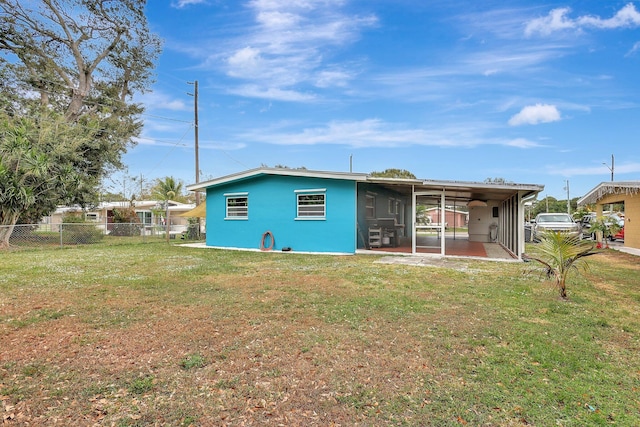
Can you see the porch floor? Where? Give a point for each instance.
(458, 246)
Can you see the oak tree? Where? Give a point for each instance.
(75, 64)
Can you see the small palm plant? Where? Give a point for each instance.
(604, 228)
(561, 253)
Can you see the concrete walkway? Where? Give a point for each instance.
(632, 251)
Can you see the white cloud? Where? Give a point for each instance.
(627, 168)
(275, 19)
(158, 100)
(359, 134)
(245, 62)
(558, 20)
(294, 4)
(370, 133)
(522, 143)
(634, 49)
(289, 44)
(332, 78)
(452, 78)
(603, 170)
(184, 3)
(628, 16)
(272, 93)
(534, 114)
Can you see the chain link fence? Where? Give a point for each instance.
(73, 234)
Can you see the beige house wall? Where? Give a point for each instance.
(631, 213)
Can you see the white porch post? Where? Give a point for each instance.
(520, 227)
(414, 234)
(442, 223)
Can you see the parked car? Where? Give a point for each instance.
(585, 226)
(619, 235)
(555, 222)
(610, 219)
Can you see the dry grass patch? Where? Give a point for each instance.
(177, 336)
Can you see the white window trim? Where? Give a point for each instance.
(228, 196)
(314, 191)
(370, 196)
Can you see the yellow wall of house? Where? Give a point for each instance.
(631, 213)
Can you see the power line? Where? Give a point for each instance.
(169, 152)
(166, 118)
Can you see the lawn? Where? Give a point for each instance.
(158, 334)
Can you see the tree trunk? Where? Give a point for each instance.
(6, 229)
(562, 288)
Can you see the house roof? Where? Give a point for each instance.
(612, 187)
(252, 173)
(463, 191)
(455, 190)
(138, 205)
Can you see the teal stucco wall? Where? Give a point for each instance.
(272, 205)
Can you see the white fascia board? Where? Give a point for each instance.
(482, 185)
(277, 171)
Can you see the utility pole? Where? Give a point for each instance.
(568, 199)
(195, 139)
(610, 168)
(195, 135)
(142, 181)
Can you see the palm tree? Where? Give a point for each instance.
(167, 189)
(561, 253)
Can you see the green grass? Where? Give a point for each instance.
(168, 335)
(192, 361)
(141, 385)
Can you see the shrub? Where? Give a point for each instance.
(125, 222)
(76, 230)
(192, 229)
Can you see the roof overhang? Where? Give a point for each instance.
(461, 191)
(612, 187)
(252, 173)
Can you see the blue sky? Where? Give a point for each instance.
(536, 93)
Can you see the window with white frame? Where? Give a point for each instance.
(370, 206)
(237, 206)
(311, 204)
(145, 217)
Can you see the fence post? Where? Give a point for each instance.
(61, 235)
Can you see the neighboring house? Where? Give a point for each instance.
(313, 211)
(627, 192)
(150, 212)
(452, 217)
